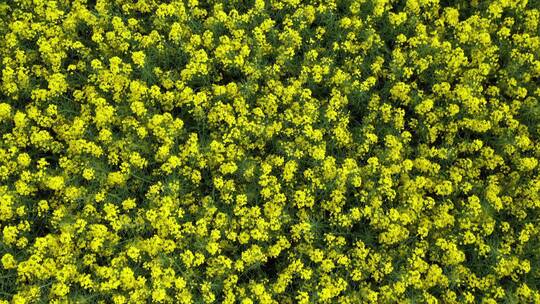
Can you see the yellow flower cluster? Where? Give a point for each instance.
(270, 151)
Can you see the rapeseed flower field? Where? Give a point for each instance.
(270, 151)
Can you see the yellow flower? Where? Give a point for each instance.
(138, 108)
(88, 173)
(528, 163)
(159, 295)
(5, 111)
(115, 178)
(55, 182)
(138, 58)
(57, 84)
(8, 261)
(24, 159)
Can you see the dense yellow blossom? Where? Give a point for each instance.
(270, 151)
